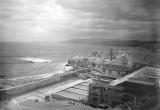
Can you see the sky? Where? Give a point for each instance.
(60, 20)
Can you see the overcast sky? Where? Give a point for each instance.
(58, 20)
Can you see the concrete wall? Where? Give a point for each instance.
(29, 86)
(33, 85)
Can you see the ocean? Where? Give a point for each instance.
(18, 60)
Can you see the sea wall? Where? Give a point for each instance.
(33, 85)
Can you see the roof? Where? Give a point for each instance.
(142, 76)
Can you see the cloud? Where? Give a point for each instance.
(68, 19)
(115, 9)
(133, 16)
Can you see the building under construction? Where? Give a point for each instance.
(136, 88)
(102, 95)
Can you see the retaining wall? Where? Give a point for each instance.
(33, 85)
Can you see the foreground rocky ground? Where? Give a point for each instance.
(54, 105)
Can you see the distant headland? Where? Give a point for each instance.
(105, 42)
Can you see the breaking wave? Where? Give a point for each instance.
(63, 68)
(36, 60)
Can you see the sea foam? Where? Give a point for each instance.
(35, 60)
